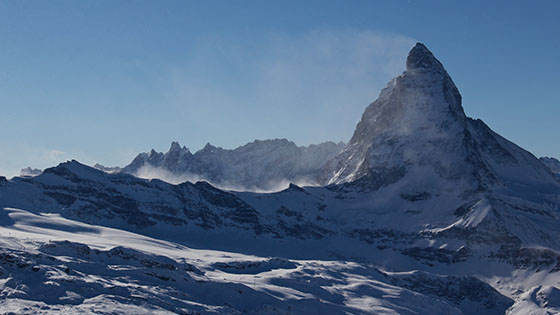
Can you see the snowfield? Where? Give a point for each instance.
(104, 270)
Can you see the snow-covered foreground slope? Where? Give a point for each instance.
(106, 270)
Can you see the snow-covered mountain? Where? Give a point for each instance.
(259, 165)
(425, 211)
(417, 125)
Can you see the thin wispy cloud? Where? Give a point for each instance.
(310, 87)
(149, 172)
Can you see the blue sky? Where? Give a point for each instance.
(100, 81)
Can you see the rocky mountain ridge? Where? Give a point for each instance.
(261, 165)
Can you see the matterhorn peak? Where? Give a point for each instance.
(417, 134)
(421, 58)
(418, 114)
(426, 75)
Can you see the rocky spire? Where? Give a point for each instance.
(421, 105)
(421, 58)
(176, 148)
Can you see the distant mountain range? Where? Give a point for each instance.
(259, 165)
(424, 211)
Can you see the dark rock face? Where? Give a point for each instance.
(61, 198)
(431, 255)
(303, 230)
(537, 259)
(552, 164)
(421, 58)
(255, 267)
(454, 289)
(381, 236)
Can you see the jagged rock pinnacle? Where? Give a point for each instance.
(420, 57)
(175, 146)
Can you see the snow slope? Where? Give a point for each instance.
(105, 270)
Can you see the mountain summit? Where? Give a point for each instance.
(417, 128)
(417, 119)
(420, 57)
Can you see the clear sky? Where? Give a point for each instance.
(100, 81)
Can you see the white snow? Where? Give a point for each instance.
(82, 278)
